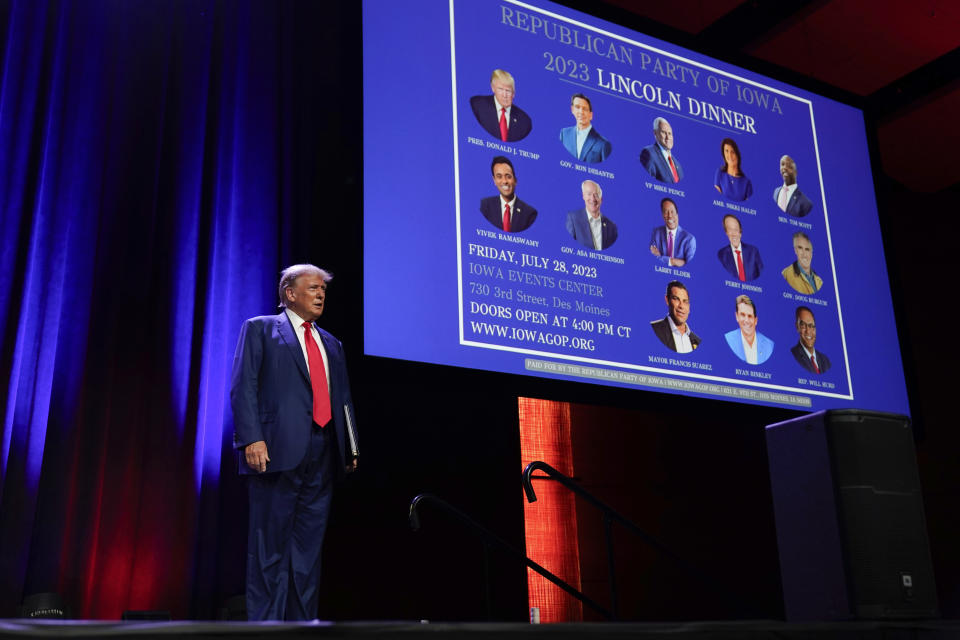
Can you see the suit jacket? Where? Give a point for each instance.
(523, 214)
(752, 263)
(764, 346)
(653, 161)
(798, 206)
(662, 329)
(271, 396)
(596, 148)
(579, 227)
(684, 244)
(822, 360)
(485, 110)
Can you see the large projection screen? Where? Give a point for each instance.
(560, 297)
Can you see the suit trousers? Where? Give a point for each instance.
(288, 518)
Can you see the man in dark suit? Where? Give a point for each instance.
(742, 260)
(506, 211)
(497, 114)
(788, 196)
(673, 330)
(581, 140)
(658, 158)
(670, 244)
(293, 425)
(588, 226)
(814, 361)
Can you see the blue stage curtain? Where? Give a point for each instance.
(145, 211)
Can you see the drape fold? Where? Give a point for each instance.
(140, 221)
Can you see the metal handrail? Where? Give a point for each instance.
(490, 538)
(609, 516)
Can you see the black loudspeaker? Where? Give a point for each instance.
(851, 531)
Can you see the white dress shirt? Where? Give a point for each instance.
(297, 323)
(750, 351)
(513, 207)
(665, 153)
(582, 137)
(596, 230)
(499, 108)
(785, 194)
(680, 340)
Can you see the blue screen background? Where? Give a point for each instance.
(427, 165)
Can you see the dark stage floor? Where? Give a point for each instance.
(749, 629)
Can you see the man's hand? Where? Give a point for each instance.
(654, 250)
(257, 456)
(677, 262)
(352, 466)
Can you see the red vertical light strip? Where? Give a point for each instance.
(550, 523)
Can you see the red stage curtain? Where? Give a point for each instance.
(550, 522)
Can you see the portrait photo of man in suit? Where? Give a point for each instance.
(295, 433)
(658, 158)
(506, 211)
(741, 260)
(673, 330)
(747, 343)
(788, 196)
(581, 140)
(800, 275)
(589, 226)
(671, 244)
(497, 114)
(813, 361)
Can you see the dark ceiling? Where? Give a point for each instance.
(899, 61)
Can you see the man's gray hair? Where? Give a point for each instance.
(288, 278)
(586, 182)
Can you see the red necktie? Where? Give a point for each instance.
(740, 272)
(673, 168)
(813, 361)
(318, 379)
(669, 244)
(503, 123)
(506, 217)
